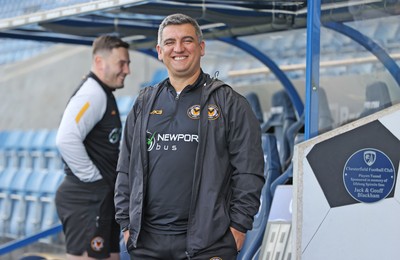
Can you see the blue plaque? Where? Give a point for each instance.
(369, 175)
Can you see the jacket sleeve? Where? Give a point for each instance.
(247, 159)
(122, 185)
(84, 110)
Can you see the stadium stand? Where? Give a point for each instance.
(31, 168)
(17, 50)
(282, 117)
(254, 102)
(31, 171)
(254, 237)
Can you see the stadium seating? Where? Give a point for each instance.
(282, 116)
(271, 172)
(254, 102)
(377, 97)
(7, 176)
(23, 186)
(30, 172)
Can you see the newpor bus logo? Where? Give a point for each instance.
(369, 157)
(150, 140)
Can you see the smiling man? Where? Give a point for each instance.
(88, 139)
(190, 171)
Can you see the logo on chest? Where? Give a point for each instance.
(213, 112)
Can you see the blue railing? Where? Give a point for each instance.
(19, 243)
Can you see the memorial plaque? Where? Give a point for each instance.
(369, 175)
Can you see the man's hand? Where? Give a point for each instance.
(126, 236)
(239, 238)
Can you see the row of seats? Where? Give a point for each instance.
(31, 170)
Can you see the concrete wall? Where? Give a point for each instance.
(34, 92)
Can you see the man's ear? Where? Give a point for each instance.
(98, 61)
(159, 52)
(203, 48)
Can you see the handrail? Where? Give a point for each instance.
(16, 244)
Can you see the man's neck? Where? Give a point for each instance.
(180, 83)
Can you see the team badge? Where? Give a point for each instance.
(194, 112)
(97, 244)
(369, 157)
(213, 112)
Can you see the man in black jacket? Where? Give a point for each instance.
(190, 171)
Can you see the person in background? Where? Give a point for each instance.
(190, 171)
(88, 139)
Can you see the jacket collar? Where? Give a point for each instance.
(106, 88)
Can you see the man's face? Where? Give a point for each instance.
(180, 50)
(115, 66)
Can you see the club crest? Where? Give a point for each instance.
(213, 112)
(194, 112)
(97, 244)
(369, 157)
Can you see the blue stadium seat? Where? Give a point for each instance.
(377, 97)
(11, 143)
(18, 205)
(10, 147)
(17, 186)
(125, 104)
(3, 138)
(48, 189)
(293, 132)
(52, 158)
(282, 117)
(282, 179)
(254, 102)
(255, 236)
(33, 204)
(325, 119)
(159, 75)
(6, 179)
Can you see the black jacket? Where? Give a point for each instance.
(228, 174)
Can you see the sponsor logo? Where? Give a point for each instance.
(150, 141)
(194, 112)
(163, 141)
(156, 112)
(97, 244)
(213, 112)
(115, 135)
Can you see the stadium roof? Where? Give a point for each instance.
(137, 21)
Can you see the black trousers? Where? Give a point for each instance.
(152, 246)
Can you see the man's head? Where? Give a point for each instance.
(178, 19)
(111, 60)
(180, 45)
